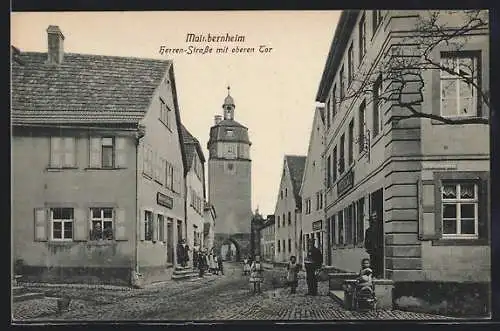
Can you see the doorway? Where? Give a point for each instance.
(179, 231)
(377, 206)
(170, 241)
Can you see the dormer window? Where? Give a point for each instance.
(229, 133)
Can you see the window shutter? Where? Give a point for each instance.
(142, 228)
(120, 152)
(55, 152)
(95, 152)
(483, 210)
(120, 221)
(80, 225)
(69, 151)
(41, 233)
(426, 221)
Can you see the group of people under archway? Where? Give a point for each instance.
(204, 260)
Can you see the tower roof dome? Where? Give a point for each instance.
(228, 101)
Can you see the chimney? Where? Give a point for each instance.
(217, 119)
(56, 44)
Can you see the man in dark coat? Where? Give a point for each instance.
(312, 262)
(372, 244)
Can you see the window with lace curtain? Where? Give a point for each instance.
(460, 210)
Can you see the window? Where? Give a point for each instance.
(334, 171)
(361, 127)
(460, 210)
(377, 117)
(289, 245)
(284, 245)
(342, 154)
(341, 227)
(170, 176)
(109, 152)
(229, 133)
(317, 201)
(284, 219)
(350, 65)
(164, 113)
(334, 102)
(161, 228)
(351, 142)
(341, 84)
(102, 224)
(459, 96)
(320, 200)
(328, 171)
(279, 246)
(362, 38)
(281, 194)
(286, 192)
(62, 152)
(278, 221)
(360, 225)
(377, 19)
(62, 223)
(289, 218)
(148, 225)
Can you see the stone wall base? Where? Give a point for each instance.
(444, 298)
(78, 275)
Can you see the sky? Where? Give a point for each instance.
(274, 92)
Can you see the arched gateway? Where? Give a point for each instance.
(241, 241)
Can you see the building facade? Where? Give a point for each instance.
(427, 181)
(312, 189)
(97, 193)
(266, 232)
(288, 210)
(229, 178)
(195, 190)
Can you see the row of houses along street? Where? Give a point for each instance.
(401, 134)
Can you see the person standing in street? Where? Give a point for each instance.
(293, 274)
(313, 263)
(256, 276)
(221, 264)
(372, 244)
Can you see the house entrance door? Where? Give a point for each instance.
(377, 206)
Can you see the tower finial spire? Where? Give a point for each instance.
(228, 90)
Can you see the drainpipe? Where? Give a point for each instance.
(135, 274)
(328, 225)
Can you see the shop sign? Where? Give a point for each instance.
(164, 200)
(346, 183)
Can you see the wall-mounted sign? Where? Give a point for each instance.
(164, 200)
(318, 225)
(346, 183)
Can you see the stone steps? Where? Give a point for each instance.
(184, 273)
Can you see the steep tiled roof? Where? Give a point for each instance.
(83, 88)
(191, 146)
(296, 165)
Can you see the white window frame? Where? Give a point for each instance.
(102, 219)
(63, 224)
(458, 201)
(160, 234)
(445, 76)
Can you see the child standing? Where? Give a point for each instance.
(293, 272)
(256, 274)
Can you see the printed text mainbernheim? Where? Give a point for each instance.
(199, 38)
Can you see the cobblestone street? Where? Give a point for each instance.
(211, 298)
